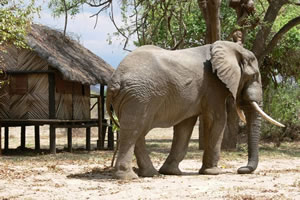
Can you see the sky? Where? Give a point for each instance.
(82, 26)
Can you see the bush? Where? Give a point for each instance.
(283, 104)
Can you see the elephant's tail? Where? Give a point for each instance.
(111, 92)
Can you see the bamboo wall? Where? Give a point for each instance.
(33, 103)
(72, 99)
(27, 96)
(63, 98)
(4, 103)
(81, 101)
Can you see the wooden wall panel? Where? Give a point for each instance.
(18, 90)
(29, 97)
(22, 60)
(81, 102)
(63, 86)
(10, 58)
(63, 98)
(87, 90)
(81, 107)
(18, 106)
(18, 84)
(4, 103)
(30, 61)
(38, 96)
(63, 105)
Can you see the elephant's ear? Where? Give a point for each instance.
(225, 60)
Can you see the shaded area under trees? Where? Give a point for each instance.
(270, 28)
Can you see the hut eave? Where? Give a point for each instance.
(75, 62)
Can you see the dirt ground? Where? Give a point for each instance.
(87, 175)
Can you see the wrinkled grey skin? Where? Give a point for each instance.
(153, 87)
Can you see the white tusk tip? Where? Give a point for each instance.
(265, 116)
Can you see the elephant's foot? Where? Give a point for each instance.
(149, 172)
(129, 174)
(170, 170)
(210, 171)
(245, 170)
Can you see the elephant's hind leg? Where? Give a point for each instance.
(182, 135)
(125, 155)
(134, 123)
(146, 168)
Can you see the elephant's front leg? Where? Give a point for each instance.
(123, 166)
(182, 135)
(214, 126)
(145, 165)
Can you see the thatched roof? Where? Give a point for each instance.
(75, 62)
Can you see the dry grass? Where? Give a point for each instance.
(158, 143)
(84, 175)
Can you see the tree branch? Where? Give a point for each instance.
(118, 29)
(259, 44)
(179, 19)
(292, 23)
(105, 3)
(294, 3)
(243, 10)
(136, 21)
(66, 16)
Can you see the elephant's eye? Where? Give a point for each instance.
(243, 63)
(255, 77)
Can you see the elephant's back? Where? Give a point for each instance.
(154, 62)
(141, 71)
(164, 78)
(151, 71)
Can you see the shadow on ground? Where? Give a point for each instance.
(96, 173)
(32, 152)
(107, 173)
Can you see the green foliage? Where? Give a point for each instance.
(114, 127)
(3, 77)
(228, 21)
(179, 24)
(283, 104)
(164, 23)
(285, 57)
(14, 21)
(72, 6)
(276, 63)
(15, 18)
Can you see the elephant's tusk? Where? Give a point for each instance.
(241, 114)
(265, 116)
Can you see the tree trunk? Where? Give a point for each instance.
(211, 13)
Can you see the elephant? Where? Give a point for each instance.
(153, 87)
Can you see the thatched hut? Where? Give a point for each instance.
(50, 83)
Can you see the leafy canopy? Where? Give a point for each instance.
(176, 24)
(14, 19)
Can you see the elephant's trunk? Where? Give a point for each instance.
(253, 132)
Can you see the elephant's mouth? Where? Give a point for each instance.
(241, 114)
(261, 112)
